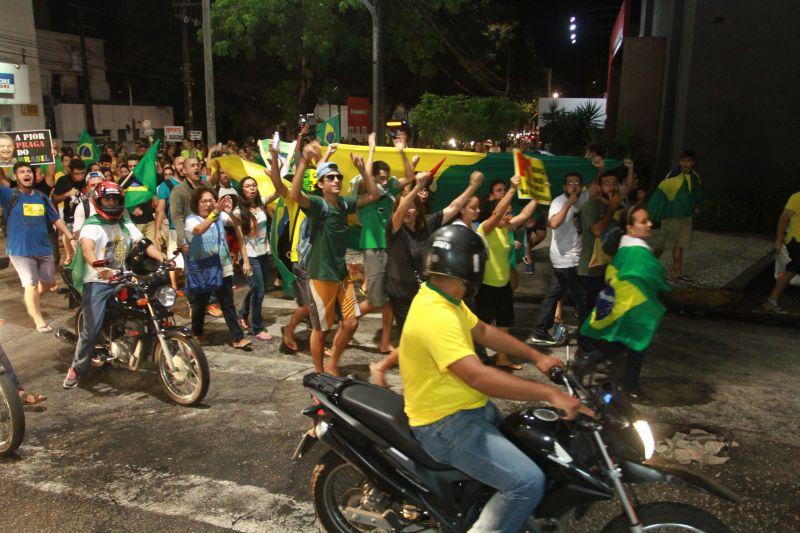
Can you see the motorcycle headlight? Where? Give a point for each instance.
(166, 296)
(643, 429)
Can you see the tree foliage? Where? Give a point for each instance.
(465, 118)
(568, 132)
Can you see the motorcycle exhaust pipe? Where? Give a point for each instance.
(66, 336)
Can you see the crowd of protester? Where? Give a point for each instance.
(199, 211)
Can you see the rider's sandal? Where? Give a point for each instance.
(44, 328)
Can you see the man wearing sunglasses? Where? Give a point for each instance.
(329, 283)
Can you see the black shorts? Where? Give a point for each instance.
(495, 304)
(301, 291)
(793, 247)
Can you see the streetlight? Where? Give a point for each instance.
(572, 19)
(573, 27)
(452, 142)
(556, 95)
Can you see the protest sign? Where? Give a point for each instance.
(34, 147)
(173, 133)
(534, 178)
(196, 135)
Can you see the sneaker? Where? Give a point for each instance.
(773, 307)
(542, 338)
(71, 381)
(214, 310)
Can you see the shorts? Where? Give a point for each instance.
(148, 229)
(793, 249)
(495, 304)
(33, 269)
(676, 232)
(375, 272)
(326, 296)
(301, 292)
(172, 247)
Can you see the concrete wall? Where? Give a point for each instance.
(743, 106)
(71, 120)
(19, 46)
(641, 80)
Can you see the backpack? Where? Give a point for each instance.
(306, 236)
(611, 237)
(15, 199)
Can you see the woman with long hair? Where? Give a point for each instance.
(407, 232)
(627, 312)
(255, 232)
(205, 235)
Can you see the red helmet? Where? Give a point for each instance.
(109, 189)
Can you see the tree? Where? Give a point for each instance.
(466, 118)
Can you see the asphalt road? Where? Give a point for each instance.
(114, 454)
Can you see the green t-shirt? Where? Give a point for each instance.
(329, 244)
(591, 213)
(375, 216)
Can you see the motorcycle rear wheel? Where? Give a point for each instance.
(670, 517)
(329, 501)
(190, 383)
(12, 418)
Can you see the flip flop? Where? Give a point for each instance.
(291, 349)
(684, 278)
(30, 398)
(44, 328)
(263, 336)
(244, 347)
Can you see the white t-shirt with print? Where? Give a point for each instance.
(259, 243)
(110, 242)
(565, 246)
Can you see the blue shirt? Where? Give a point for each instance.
(163, 191)
(27, 223)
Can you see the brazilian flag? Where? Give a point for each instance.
(87, 149)
(142, 186)
(280, 223)
(329, 132)
(676, 196)
(628, 310)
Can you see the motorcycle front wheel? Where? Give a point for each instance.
(12, 418)
(188, 384)
(669, 517)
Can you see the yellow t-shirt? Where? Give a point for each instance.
(498, 269)
(437, 333)
(793, 230)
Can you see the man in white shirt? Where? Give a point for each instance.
(565, 251)
(105, 236)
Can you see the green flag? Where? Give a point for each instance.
(628, 310)
(329, 131)
(87, 149)
(280, 223)
(142, 186)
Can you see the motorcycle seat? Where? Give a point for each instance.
(381, 410)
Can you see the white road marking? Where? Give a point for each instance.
(217, 502)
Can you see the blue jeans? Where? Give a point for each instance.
(95, 298)
(6, 364)
(255, 296)
(469, 441)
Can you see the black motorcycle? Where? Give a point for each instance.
(376, 477)
(139, 324)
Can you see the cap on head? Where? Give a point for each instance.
(323, 169)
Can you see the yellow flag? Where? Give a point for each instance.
(534, 178)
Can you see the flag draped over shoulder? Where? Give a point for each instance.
(329, 132)
(628, 309)
(142, 186)
(87, 149)
(676, 196)
(280, 223)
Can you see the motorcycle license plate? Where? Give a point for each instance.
(308, 440)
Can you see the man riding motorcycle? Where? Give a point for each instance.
(108, 236)
(446, 386)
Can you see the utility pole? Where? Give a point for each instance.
(85, 83)
(208, 61)
(374, 8)
(186, 68)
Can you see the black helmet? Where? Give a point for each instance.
(138, 260)
(458, 252)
